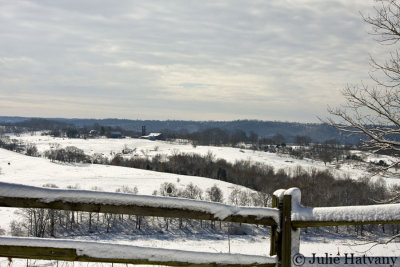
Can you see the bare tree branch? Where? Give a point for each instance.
(374, 111)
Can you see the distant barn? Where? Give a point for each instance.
(153, 136)
(116, 135)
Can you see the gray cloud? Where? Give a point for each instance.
(220, 60)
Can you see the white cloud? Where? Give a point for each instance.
(268, 60)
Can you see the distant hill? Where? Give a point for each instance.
(317, 131)
(7, 120)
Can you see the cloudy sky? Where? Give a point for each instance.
(181, 59)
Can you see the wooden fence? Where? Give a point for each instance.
(21, 196)
(294, 216)
(285, 218)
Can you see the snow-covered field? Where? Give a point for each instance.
(17, 168)
(143, 147)
(21, 169)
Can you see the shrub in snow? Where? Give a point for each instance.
(17, 229)
(244, 198)
(74, 154)
(50, 185)
(98, 158)
(31, 150)
(260, 199)
(168, 190)
(191, 191)
(127, 190)
(234, 196)
(69, 154)
(215, 194)
(240, 197)
(96, 188)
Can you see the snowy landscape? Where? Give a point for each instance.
(146, 148)
(38, 171)
(199, 133)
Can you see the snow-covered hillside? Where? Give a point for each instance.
(142, 148)
(21, 169)
(18, 168)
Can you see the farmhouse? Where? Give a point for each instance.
(153, 136)
(93, 133)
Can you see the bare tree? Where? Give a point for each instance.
(374, 111)
(234, 197)
(192, 191)
(129, 190)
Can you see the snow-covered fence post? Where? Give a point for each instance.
(290, 235)
(276, 237)
(274, 229)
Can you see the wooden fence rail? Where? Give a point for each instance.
(22, 196)
(286, 217)
(69, 250)
(295, 216)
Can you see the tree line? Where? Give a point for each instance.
(55, 223)
(319, 187)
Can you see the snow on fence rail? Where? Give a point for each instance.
(14, 195)
(295, 216)
(347, 215)
(115, 253)
(285, 219)
(22, 196)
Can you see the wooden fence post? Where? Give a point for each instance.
(286, 231)
(276, 231)
(290, 235)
